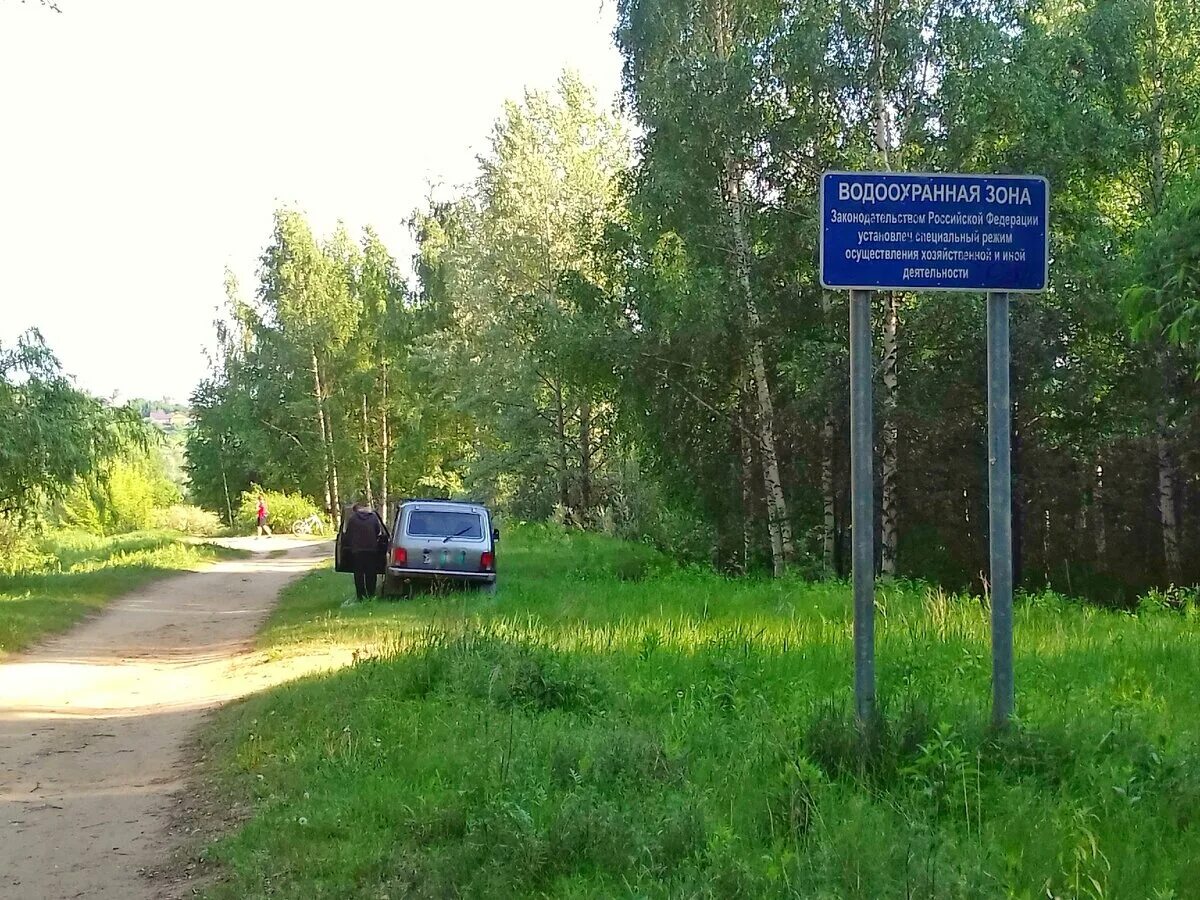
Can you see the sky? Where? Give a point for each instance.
(144, 146)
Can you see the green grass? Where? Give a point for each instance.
(81, 573)
(605, 728)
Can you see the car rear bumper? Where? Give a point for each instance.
(441, 575)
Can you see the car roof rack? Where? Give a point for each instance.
(441, 500)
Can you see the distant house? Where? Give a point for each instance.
(160, 418)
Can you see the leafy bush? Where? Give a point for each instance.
(125, 496)
(283, 509)
(53, 433)
(1183, 599)
(1045, 598)
(20, 549)
(136, 490)
(189, 519)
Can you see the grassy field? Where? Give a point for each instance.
(80, 573)
(610, 726)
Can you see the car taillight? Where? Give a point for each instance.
(399, 556)
(487, 559)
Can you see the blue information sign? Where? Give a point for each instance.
(909, 232)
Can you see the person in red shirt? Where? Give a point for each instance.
(262, 518)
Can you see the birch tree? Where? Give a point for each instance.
(306, 294)
(545, 190)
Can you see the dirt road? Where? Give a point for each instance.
(94, 724)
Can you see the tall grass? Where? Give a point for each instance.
(75, 573)
(610, 725)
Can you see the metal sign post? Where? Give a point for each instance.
(862, 491)
(919, 232)
(1000, 507)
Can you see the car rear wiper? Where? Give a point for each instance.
(458, 533)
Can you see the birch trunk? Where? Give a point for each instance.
(1101, 527)
(564, 488)
(889, 436)
(778, 524)
(1167, 499)
(228, 502)
(366, 445)
(723, 33)
(333, 461)
(747, 481)
(828, 499)
(1046, 544)
(384, 448)
(888, 432)
(828, 495)
(777, 515)
(330, 493)
(1018, 500)
(585, 460)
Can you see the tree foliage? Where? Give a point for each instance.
(624, 328)
(311, 390)
(52, 433)
(510, 342)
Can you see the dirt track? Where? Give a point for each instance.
(94, 724)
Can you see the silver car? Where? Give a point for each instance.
(441, 541)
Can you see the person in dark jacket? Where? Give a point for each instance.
(365, 533)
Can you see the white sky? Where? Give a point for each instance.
(144, 145)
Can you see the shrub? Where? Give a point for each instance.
(124, 497)
(84, 505)
(283, 509)
(192, 520)
(1171, 599)
(136, 490)
(682, 533)
(20, 549)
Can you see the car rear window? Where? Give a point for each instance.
(445, 523)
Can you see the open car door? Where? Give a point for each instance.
(342, 560)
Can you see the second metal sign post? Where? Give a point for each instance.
(862, 502)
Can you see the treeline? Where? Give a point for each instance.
(68, 458)
(313, 388)
(630, 334)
